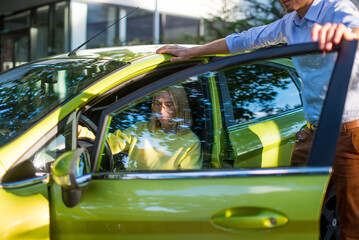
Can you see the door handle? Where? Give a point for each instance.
(248, 218)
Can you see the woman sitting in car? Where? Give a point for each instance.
(165, 142)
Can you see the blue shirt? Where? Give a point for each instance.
(293, 29)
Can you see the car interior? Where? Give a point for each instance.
(199, 103)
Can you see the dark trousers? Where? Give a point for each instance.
(345, 173)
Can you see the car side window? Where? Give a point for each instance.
(57, 145)
(260, 90)
(262, 111)
(43, 159)
(243, 116)
(38, 161)
(163, 131)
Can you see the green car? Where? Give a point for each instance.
(84, 153)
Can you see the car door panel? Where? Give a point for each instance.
(200, 204)
(129, 206)
(262, 111)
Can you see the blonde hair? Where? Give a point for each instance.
(183, 112)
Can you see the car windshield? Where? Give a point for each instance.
(29, 92)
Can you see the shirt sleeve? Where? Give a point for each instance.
(346, 12)
(257, 37)
(84, 132)
(193, 158)
(120, 140)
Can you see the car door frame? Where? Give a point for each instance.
(257, 151)
(227, 107)
(319, 164)
(333, 107)
(340, 71)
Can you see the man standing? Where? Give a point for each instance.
(328, 22)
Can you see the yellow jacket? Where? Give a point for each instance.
(153, 151)
(156, 150)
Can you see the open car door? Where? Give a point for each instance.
(218, 201)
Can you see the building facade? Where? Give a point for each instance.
(56, 27)
(31, 29)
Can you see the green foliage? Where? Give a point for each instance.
(255, 13)
(261, 14)
(256, 85)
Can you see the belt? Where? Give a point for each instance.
(343, 127)
(349, 125)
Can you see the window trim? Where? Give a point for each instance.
(225, 100)
(205, 174)
(335, 99)
(45, 179)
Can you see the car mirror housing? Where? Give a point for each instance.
(72, 172)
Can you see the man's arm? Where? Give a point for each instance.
(332, 33)
(182, 53)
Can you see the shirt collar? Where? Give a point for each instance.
(312, 14)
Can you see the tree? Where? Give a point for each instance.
(259, 13)
(234, 18)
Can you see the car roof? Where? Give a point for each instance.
(132, 53)
(122, 53)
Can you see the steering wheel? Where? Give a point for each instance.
(107, 162)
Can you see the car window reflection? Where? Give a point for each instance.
(161, 137)
(258, 91)
(31, 91)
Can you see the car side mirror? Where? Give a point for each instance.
(72, 171)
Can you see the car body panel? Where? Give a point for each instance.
(25, 212)
(2, 169)
(123, 54)
(130, 208)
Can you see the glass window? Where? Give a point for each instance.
(61, 28)
(21, 50)
(30, 92)
(261, 100)
(164, 131)
(139, 27)
(261, 90)
(38, 160)
(6, 53)
(41, 28)
(18, 21)
(54, 148)
(43, 159)
(99, 17)
(264, 101)
(179, 29)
